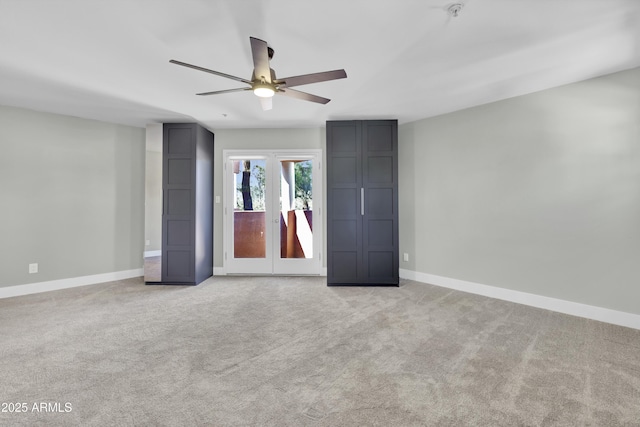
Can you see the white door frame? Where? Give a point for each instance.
(272, 263)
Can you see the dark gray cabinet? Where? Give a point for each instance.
(362, 202)
(187, 217)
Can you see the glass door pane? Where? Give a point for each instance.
(249, 211)
(296, 208)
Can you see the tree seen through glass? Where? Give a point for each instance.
(303, 186)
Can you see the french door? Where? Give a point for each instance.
(272, 212)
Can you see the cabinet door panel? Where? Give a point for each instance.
(345, 170)
(345, 235)
(178, 263)
(380, 136)
(381, 266)
(179, 203)
(379, 203)
(179, 141)
(344, 219)
(380, 169)
(343, 266)
(346, 137)
(178, 232)
(179, 172)
(344, 203)
(380, 181)
(380, 233)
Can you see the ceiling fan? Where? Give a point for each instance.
(264, 83)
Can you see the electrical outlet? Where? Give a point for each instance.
(147, 242)
(406, 257)
(33, 268)
(217, 199)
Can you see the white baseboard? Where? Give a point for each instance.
(53, 285)
(562, 306)
(148, 254)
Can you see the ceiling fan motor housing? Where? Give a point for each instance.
(261, 87)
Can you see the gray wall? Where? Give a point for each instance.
(539, 193)
(72, 196)
(244, 139)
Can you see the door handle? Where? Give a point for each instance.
(362, 201)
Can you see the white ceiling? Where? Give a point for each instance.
(405, 59)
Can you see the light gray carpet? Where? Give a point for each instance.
(294, 352)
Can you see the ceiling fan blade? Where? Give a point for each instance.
(311, 78)
(267, 103)
(303, 95)
(206, 70)
(218, 92)
(260, 52)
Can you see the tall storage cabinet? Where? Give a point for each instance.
(187, 217)
(362, 202)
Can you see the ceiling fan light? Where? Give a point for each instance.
(263, 91)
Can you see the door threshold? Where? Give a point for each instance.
(272, 275)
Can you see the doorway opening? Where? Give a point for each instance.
(272, 212)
